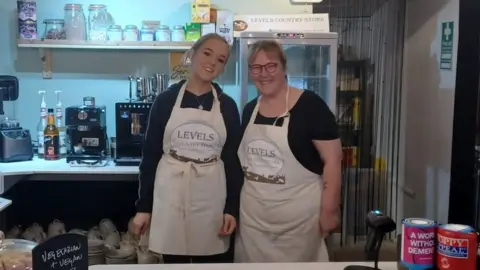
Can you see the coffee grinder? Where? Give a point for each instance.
(87, 134)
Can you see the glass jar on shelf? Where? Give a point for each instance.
(178, 33)
(163, 34)
(99, 21)
(75, 26)
(147, 33)
(130, 33)
(54, 29)
(115, 33)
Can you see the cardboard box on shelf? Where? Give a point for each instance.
(201, 11)
(225, 25)
(213, 14)
(208, 28)
(193, 31)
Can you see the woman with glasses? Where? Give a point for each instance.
(291, 159)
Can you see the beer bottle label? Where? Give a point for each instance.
(51, 147)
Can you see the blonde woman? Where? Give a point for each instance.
(190, 177)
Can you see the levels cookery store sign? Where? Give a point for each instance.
(178, 71)
(292, 22)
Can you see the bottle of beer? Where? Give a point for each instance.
(51, 138)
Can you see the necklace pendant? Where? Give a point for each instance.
(200, 107)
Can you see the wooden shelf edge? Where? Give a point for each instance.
(104, 45)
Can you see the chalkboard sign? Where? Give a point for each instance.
(62, 252)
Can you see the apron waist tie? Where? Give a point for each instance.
(188, 170)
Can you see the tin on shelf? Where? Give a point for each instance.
(27, 10)
(27, 29)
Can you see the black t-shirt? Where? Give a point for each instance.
(310, 119)
(153, 146)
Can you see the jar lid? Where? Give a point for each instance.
(73, 7)
(96, 7)
(178, 27)
(131, 27)
(54, 21)
(115, 27)
(164, 27)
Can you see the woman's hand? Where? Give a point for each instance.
(228, 226)
(140, 224)
(329, 222)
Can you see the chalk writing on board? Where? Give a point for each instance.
(63, 257)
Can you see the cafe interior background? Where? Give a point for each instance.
(405, 168)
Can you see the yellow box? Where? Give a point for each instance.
(201, 11)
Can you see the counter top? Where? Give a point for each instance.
(41, 166)
(244, 266)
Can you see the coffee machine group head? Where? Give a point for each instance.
(87, 132)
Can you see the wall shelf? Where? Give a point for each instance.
(47, 46)
(105, 45)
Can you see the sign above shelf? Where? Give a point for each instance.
(105, 45)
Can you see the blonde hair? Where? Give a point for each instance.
(270, 47)
(187, 57)
(203, 39)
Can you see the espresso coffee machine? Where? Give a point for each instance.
(87, 134)
(131, 118)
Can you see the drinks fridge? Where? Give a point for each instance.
(311, 62)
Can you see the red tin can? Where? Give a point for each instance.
(457, 247)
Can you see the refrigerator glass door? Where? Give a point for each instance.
(311, 65)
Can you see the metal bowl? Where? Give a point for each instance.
(17, 245)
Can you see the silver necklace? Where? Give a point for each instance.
(200, 104)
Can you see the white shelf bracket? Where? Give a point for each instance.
(46, 57)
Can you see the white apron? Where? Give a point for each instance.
(190, 186)
(280, 200)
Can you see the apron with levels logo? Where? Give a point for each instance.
(280, 200)
(190, 184)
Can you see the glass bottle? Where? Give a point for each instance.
(42, 123)
(62, 130)
(51, 140)
(62, 133)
